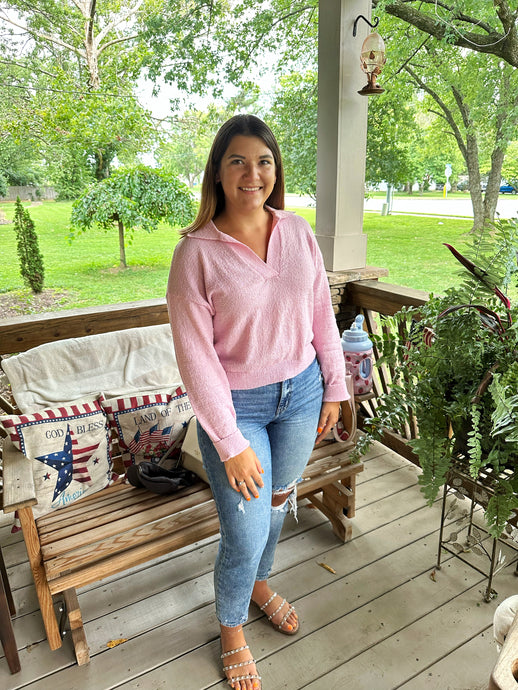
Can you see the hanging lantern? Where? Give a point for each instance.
(372, 59)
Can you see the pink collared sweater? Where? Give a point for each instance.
(239, 322)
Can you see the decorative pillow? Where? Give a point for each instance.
(150, 426)
(69, 448)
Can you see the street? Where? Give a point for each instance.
(507, 206)
(415, 205)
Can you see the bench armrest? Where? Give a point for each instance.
(18, 489)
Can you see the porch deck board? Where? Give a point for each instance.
(379, 622)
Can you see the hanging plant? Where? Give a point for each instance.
(457, 374)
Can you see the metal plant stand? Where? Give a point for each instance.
(466, 537)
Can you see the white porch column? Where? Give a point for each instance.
(342, 134)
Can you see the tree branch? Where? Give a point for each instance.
(122, 39)
(22, 66)
(448, 115)
(504, 45)
(296, 12)
(46, 37)
(130, 12)
(32, 8)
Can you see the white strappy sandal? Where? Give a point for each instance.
(241, 665)
(279, 626)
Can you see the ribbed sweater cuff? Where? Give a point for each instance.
(336, 393)
(231, 445)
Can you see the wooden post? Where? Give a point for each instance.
(7, 610)
(76, 627)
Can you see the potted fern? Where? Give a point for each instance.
(456, 375)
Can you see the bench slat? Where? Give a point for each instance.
(316, 483)
(329, 448)
(327, 463)
(91, 531)
(82, 556)
(140, 554)
(104, 505)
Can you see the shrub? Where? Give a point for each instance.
(3, 184)
(31, 259)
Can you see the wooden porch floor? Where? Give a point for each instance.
(383, 621)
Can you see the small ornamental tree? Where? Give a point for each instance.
(131, 198)
(31, 259)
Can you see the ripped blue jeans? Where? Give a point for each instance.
(280, 420)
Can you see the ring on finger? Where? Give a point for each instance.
(241, 482)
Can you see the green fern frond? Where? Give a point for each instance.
(499, 509)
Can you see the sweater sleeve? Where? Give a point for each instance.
(202, 374)
(326, 337)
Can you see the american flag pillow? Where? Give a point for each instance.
(150, 426)
(69, 449)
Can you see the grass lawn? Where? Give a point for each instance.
(411, 247)
(87, 268)
(85, 272)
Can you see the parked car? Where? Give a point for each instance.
(508, 189)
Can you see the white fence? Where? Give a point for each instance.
(30, 193)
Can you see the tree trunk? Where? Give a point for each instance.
(122, 250)
(475, 188)
(102, 166)
(493, 183)
(91, 49)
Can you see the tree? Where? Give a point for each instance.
(225, 41)
(478, 118)
(20, 161)
(80, 35)
(297, 134)
(392, 138)
(31, 260)
(476, 25)
(510, 165)
(474, 95)
(76, 65)
(185, 151)
(437, 150)
(131, 198)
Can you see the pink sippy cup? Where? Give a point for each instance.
(357, 348)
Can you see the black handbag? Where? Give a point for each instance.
(150, 476)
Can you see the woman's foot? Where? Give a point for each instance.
(280, 614)
(238, 663)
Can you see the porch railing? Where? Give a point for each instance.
(370, 297)
(376, 301)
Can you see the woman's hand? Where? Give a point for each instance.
(244, 473)
(328, 417)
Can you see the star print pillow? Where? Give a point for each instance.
(69, 450)
(150, 426)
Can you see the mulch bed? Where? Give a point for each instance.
(22, 302)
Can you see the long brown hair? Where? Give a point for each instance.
(212, 197)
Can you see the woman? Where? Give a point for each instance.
(259, 352)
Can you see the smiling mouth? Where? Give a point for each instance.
(250, 189)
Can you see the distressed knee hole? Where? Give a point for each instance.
(279, 499)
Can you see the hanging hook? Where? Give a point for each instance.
(360, 16)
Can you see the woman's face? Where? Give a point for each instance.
(247, 174)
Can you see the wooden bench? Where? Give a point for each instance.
(120, 526)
